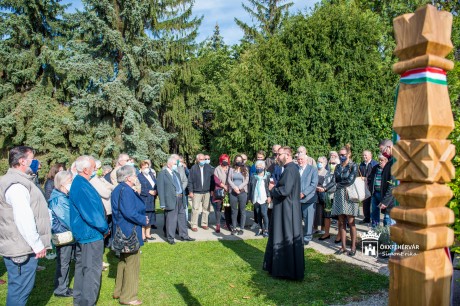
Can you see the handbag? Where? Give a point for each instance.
(120, 242)
(219, 194)
(63, 238)
(358, 191)
(61, 235)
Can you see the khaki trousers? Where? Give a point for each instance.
(200, 200)
(127, 281)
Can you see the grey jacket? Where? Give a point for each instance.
(12, 243)
(308, 183)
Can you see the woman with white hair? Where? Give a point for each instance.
(59, 205)
(259, 195)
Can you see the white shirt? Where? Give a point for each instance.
(149, 178)
(202, 176)
(18, 197)
(301, 169)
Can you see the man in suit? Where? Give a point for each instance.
(170, 192)
(365, 169)
(308, 197)
(200, 185)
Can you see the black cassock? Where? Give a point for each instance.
(284, 255)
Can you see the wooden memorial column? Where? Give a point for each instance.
(423, 166)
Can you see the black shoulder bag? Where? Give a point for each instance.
(121, 243)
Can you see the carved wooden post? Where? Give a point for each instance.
(423, 120)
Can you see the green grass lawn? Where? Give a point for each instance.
(220, 273)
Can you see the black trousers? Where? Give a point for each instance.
(367, 209)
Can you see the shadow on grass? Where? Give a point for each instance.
(327, 280)
(189, 299)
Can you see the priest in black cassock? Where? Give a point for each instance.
(284, 255)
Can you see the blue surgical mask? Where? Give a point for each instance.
(174, 168)
(202, 163)
(34, 166)
(130, 164)
(93, 174)
(320, 165)
(343, 159)
(258, 170)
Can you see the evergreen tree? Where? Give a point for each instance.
(268, 16)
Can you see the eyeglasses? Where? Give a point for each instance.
(343, 155)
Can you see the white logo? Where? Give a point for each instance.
(370, 243)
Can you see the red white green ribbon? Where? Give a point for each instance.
(422, 75)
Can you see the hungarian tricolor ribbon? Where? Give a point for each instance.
(422, 75)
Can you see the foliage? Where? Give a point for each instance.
(306, 86)
(231, 273)
(268, 15)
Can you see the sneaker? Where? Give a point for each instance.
(105, 264)
(234, 232)
(265, 235)
(240, 232)
(319, 232)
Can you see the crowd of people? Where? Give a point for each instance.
(291, 193)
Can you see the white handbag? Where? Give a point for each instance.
(62, 238)
(358, 191)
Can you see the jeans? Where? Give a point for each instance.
(217, 211)
(262, 212)
(21, 280)
(308, 215)
(375, 213)
(238, 203)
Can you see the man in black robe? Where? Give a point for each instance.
(284, 255)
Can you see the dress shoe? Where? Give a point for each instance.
(153, 227)
(364, 221)
(68, 293)
(340, 251)
(352, 253)
(151, 238)
(218, 228)
(136, 302)
(194, 229)
(170, 242)
(187, 239)
(338, 241)
(324, 238)
(2, 282)
(115, 297)
(240, 232)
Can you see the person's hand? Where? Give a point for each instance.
(320, 189)
(152, 192)
(225, 187)
(190, 195)
(106, 235)
(271, 185)
(382, 206)
(302, 195)
(269, 200)
(237, 190)
(146, 219)
(41, 254)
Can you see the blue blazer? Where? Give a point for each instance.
(131, 213)
(149, 200)
(276, 175)
(308, 183)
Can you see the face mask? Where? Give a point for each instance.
(224, 163)
(130, 164)
(207, 161)
(93, 174)
(99, 172)
(388, 156)
(34, 166)
(239, 164)
(343, 159)
(67, 186)
(320, 165)
(174, 167)
(146, 171)
(258, 171)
